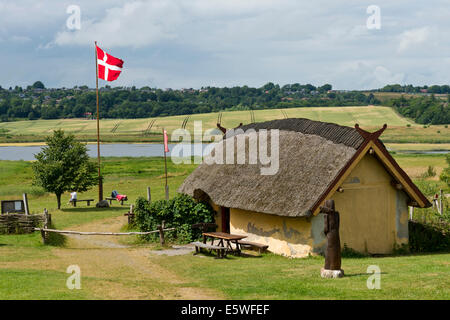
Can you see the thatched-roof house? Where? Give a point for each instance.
(317, 161)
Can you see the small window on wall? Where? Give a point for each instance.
(352, 180)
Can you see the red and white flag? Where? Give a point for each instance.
(166, 142)
(109, 67)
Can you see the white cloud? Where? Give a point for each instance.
(412, 38)
(142, 23)
(194, 43)
(384, 76)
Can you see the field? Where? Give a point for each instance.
(125, 268)
(131, 130)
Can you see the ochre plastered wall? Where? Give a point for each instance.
(292, 237)
(374, 215)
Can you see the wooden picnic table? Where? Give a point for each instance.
(227, 237)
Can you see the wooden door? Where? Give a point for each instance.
(225, 212)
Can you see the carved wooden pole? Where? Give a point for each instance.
(332, 267)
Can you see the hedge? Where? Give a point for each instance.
(427, 237)
(180, 213)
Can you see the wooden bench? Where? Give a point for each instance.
(254, 245)
(111, 200)
(221, 251)
(74, 202)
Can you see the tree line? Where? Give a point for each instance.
(423, 109)
(436, 89)
(38, 102)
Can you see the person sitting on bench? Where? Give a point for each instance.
(73, 196)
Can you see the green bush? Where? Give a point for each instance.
(180, 213)
(431, 172)
(429, 237)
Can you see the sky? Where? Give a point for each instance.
(199, 43)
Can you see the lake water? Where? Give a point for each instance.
(106, 150)
(123, 150)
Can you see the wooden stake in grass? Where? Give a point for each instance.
(161, 233)
(25, 203)
(149, 195)
(47, 220)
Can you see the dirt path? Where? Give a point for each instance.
(111, 270)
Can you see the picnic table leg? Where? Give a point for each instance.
(88, 203)
(238, 248)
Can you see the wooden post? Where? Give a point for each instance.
(130, 215)
(25, 203)
(149, 194)
(46, 224)
(411, 212)
(161, 233)
(167, 192)
(441, 208)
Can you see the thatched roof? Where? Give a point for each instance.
(330, 131)
(312, 154)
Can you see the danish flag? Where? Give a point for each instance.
(109, 67)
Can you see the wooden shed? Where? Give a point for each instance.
(317, 161)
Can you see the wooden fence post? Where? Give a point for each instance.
(131, 214)
(161, 233)
(441, 207)
(149, 194)
(25, 203)
(167, 192)
(46, 224)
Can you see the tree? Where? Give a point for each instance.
(38, 85)
(63, 165)
(445, 175)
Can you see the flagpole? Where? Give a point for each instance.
(100, 183)
(165, 157)
(165, 164)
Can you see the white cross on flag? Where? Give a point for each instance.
(109, 67)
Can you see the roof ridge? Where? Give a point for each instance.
(331, 131)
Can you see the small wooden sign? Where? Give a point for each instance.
(12, 206)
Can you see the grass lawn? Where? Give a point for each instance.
(417, 164)
(129, 176)
(130, 130)
(276, 277)
(30, 270)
